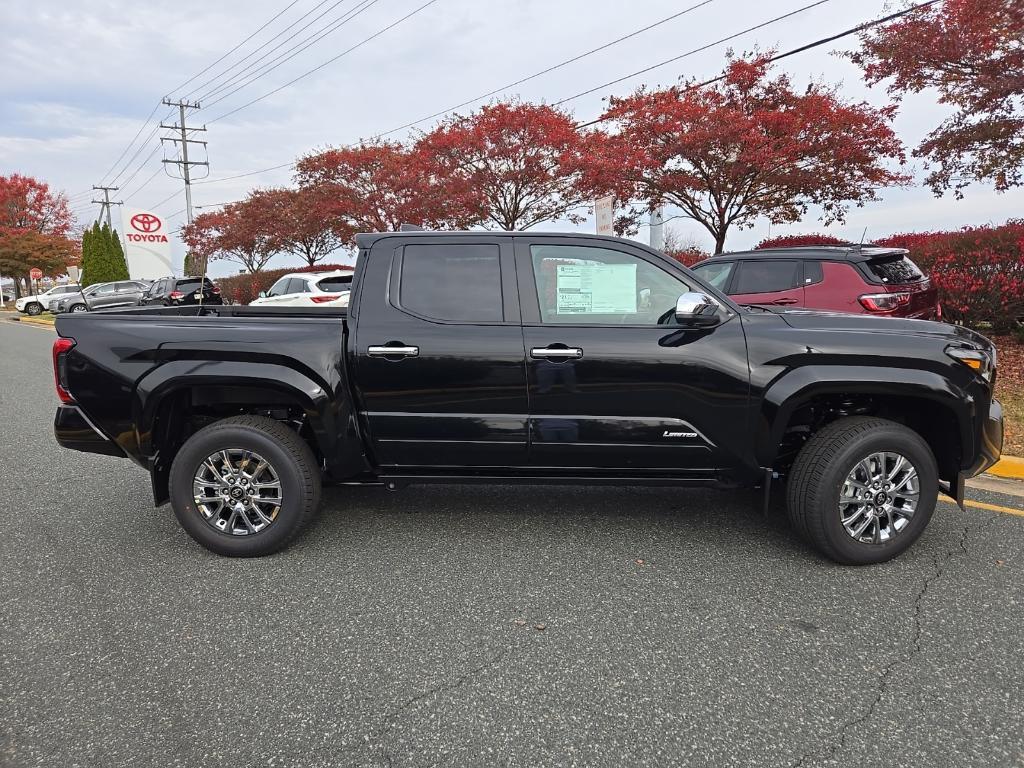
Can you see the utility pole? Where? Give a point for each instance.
(658, 229)
(184, 162)
(106, 202)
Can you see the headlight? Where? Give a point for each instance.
(975, 359)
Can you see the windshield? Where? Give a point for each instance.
(336, 284)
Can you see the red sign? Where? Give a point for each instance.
(35, 274)
(145, 222)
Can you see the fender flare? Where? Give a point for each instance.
(328, 411)
(798, 386)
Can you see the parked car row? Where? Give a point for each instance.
(33, 305)
(167, 291)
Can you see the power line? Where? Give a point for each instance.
(259, 62)
(255, 51)
(347, 51)
(166, 199)
(552, 68)
(239, 45)
(157, 106)
(800, 49)
(791, 52)
(691, 53)
(291, 53)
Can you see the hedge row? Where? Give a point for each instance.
(241, 289)
(979, 271)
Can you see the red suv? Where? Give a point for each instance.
(861, 279)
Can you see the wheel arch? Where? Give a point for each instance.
(924, 401)
(174, 394)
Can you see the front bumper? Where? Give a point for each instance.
(991, 442)
(73, 430)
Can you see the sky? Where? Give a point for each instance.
(80, 80)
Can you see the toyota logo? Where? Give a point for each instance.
(145, 222)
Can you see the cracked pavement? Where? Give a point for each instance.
(400, 630)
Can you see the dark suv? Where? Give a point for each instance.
(865, 280)
(176, 291)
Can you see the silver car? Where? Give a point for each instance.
(123, 293)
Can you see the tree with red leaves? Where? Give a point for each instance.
(35, 224)
(297, 222)
(515, 164)
(377, 187)
(745, 147)
(236, 233)
(972, 52)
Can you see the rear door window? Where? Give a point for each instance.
(460, 283)
(297, 285)
(278, 288)
(766, 276)
(716, 274)
(894, 270)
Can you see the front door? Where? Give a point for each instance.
(439, 352)
(614, 382)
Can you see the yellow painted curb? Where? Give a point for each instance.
(986, 505)
(1008, 466)
(34, 321)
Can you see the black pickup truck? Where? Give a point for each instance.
(480, 357)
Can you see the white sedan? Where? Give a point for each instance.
(33, 305)
(308, 289)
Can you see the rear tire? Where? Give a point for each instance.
(842, 500)
(244, 526)
(33, 309)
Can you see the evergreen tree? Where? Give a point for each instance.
(119, 265)
(92, 256)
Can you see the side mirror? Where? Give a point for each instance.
(697, 310)
(263, 294)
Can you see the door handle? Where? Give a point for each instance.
(784, 301)
(396, 351)
(564, 353)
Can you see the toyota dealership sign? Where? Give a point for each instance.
(147, 245)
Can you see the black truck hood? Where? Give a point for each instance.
(840, 321)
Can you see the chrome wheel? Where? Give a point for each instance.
(879, 497)
(237, 492)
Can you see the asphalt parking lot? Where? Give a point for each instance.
(465, 626)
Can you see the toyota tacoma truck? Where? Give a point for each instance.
(482, 357)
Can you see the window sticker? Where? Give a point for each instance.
(599, 289)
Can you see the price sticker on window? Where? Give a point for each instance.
(598, 289)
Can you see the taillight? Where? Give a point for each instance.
(884, 302)
(216, 289)
(324, 298)
(175, 295)
(61, 347)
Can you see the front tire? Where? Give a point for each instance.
(862, 490)
(244, 486)
(33, 309)
(78, 308)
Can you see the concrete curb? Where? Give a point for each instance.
(33, 321)
(1008, 466)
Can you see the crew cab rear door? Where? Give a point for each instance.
(439, 353)
(614, 382)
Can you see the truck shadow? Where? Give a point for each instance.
(632, 515)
